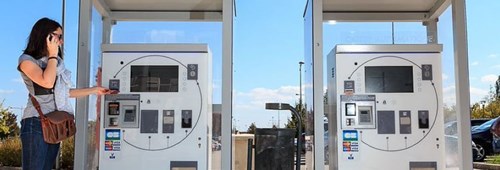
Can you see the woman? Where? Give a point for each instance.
(42, 69)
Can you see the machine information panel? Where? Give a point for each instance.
(162, 117)
(386, 107)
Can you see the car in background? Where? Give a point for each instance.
(451, 149)
(476, 122)
(482, 136)
(450, 128)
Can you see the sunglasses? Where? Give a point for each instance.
(60, 36)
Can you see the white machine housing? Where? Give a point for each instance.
(162, 116)
(385, 105)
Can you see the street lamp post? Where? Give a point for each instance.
(300, 84)
(286, 106)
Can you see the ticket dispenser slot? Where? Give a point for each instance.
(423, 165)
(168, 121)
(183, 165)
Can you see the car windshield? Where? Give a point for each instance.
(485, 125)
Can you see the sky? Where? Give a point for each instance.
(268, 45)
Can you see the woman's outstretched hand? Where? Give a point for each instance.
(102, 91)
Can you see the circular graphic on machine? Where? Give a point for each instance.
(388, 141)
(163, 99)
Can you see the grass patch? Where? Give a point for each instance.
(494, 159)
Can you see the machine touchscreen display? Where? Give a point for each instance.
(389, 79)
(154, 79)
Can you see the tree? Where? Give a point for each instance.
(251, 128)
(8, 123)
(497, 88)
(292, 123)
(490, 107)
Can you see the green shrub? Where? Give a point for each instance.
(67, 153)
(10, 152)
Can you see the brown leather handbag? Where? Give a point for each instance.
(56, 125)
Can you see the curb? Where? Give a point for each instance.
(482, 165)
(9, 168)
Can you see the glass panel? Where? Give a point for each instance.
(168, 79)
(94, 101)
(405, 33)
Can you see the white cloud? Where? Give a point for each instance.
(2, 91)
(493, 55)
(478, 92)
(259, 96)
(445, 77)
(449, 97)
(496, 67)
(18, 80)
(475, 63)
(164, 36)
(489, 79)
(249, 106)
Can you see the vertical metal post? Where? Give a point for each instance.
(462, 83)
(432, 31)
(300, 84)
(63, 16)
(319, 151)
(83, 81)
(107, 25)
(299, 136)
(249, 154)
(227, 83)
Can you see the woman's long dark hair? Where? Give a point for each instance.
(37, 41)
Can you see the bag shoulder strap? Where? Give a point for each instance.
(37, 106)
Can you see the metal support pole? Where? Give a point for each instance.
(299, 136)
(83, 81)
(317, 95)
(249, 154)
(227, 83)
(432, 31)
(300, 84)
(462, 83)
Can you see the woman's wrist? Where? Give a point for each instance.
(95, 90)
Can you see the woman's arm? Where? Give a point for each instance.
(43, 78)
(75, 93)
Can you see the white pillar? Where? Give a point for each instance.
(227, 83)
(83, 81)
(462, 83)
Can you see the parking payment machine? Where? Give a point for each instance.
(386, 107)
(162, 116)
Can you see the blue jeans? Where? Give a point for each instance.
(37, 154)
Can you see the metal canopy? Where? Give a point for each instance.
(164, 5)
(383, 10)
(160, 10)
(378, 5)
